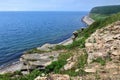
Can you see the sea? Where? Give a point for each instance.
(24, 30)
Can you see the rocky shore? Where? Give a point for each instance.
(35, 60)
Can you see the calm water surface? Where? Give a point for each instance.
(20, 31)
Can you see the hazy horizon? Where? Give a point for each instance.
(53, 5)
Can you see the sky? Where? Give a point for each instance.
(53, 5)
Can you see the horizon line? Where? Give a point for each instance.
(38, 11)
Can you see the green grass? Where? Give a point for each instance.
(59, 47)
(11, 76)
(57, 65)
(106, 10)
(80, 64)
(70, 72)
(82, 60)
(100, 60)
(97, 17)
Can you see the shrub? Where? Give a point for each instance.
(59, 47)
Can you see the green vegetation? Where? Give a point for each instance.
(97, 17)
(59, 47)
(100, 24)
(78, 43)
(100, 60)
(82, 61)
(103, 12)
(11, 76)
(57, 65)
(83, 35)
(106, 10)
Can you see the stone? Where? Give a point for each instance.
(111, 66)
(37, 56)
(88, 45)
(59, 77)
(117, 37)
(41, 62)
(95, 55)
(69, 65)
(25, 72)
(40, 78)
(116, 53)
(11, 68)
(27, 67)
(46, 47)
(69, 59)
(90, 70)
(77, 70)
(42, 74)
(77, 78)
(115, 73)
(109, 38)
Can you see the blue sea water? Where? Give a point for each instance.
(20, 31)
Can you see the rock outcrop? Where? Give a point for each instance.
(104, 42)
(46, 47)
(11, 68)
(88, 20)
(40, 61)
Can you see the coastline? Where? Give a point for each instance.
(17, 65)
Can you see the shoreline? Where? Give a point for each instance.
(16, 65)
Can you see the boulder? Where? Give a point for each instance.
(88, 45)
(69, 65)
(90, 70)
(116, 53)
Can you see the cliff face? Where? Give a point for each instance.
(103, 47)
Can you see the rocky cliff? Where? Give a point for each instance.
(104, 42)
(93, 55)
